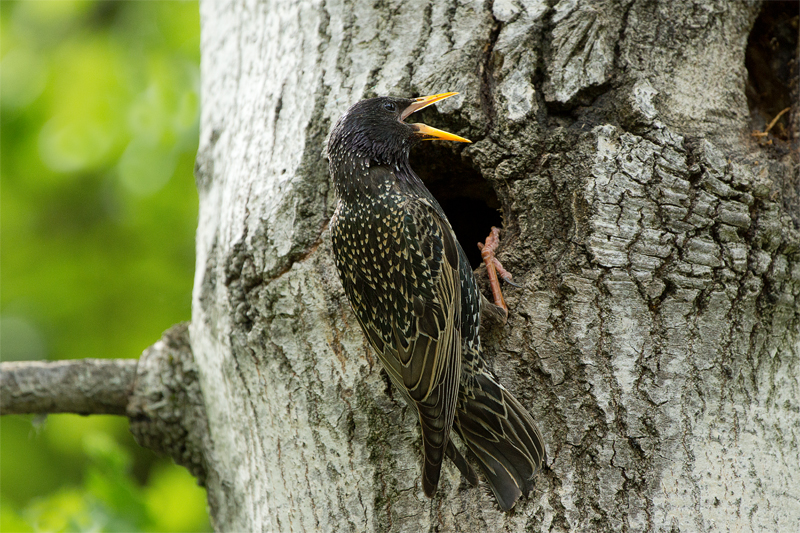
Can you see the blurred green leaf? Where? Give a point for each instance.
(119, 500)
(10, 520)
(175, 501)
(109, 500)
(24, 78)
(65, 510)
(98, 132)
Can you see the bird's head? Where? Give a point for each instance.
(375, 129)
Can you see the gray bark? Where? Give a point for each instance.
(656, 333)
(83, 386)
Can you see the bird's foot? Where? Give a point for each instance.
(494, 268)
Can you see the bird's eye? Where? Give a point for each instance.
(389, 106)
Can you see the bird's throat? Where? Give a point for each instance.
(358, 177)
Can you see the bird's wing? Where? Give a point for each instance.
(407, 299)
(427, 349)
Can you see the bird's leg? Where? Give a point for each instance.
(494, 268)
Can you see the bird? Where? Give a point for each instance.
(415, 296)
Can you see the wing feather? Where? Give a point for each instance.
(407, 298)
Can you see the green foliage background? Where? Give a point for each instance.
(98, 131)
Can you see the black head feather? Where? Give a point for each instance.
(372, 129)
(370, 144)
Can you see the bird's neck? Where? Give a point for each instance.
(356, 176)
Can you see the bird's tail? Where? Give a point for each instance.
(503, 437)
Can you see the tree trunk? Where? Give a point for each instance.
(655, 337)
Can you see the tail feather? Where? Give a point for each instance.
(503, 437)
(461, 463)
(435, 436)
(432, 469)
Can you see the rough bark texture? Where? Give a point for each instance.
(656, 335)
(166, 406)
(85, 386)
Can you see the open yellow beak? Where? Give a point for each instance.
(428, 133)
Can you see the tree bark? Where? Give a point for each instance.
(83, 386)
(656, 333)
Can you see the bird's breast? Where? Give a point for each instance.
(367, 236)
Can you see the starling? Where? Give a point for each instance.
(414, 295)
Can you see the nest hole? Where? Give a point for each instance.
(468, 200)
(771, 61)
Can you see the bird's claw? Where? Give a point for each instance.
(494, 268)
